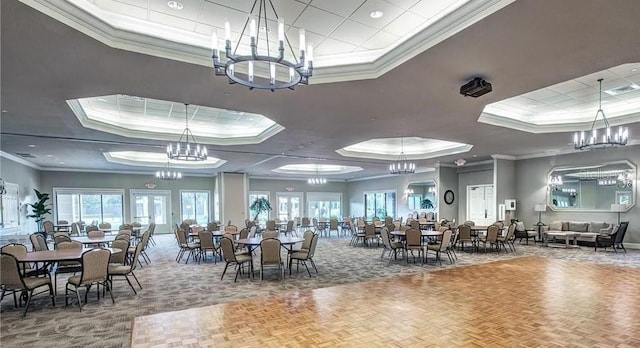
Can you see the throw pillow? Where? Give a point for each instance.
(565, 226)
(520, 226)
(576, 226)
(555, 226)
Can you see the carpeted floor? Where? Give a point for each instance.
(169, 286)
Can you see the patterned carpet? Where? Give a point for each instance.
(169, 286)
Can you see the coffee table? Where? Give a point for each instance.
(565, 234)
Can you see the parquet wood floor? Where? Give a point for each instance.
(526, 302)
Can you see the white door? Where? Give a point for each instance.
(480, 204)
(289, 205)
(152, 205)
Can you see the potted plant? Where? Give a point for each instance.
(39, 209)
(260, 205)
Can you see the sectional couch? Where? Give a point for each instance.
(587, 230)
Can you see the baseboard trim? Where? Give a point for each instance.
(632, 245)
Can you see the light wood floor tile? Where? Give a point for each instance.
(526, 302)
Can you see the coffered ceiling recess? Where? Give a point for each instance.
(321, 169)
(156, 159)
(572, 105)
(414, 148)
(370, 36)
(146, 118)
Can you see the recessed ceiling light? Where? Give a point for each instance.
(101, 149)
(375, 14)
(475, 156)
(4, 110)
(61, 162)
(176, 5)
(49, 155)
(634, 69)
(102, 99)
(31, 145)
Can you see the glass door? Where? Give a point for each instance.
(480, 204)
(289, 205)
(152, 205)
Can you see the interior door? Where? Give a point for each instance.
(152, 205)
(480, 204)
(289, 205)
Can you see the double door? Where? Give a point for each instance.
(289, 205)
(480, 208)
(152, 206)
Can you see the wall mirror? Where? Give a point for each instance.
(592, 188)
(422, 196)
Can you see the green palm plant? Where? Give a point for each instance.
(40, 209)
(261, 204)
(426, 204)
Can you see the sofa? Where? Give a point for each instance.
(587, 231)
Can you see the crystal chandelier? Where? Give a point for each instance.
(317, 180)
(555, 182)
(168, 174)
(608, 140)
(402, 165)
(274, 71)
(186, 149)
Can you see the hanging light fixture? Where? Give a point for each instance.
(402, 165)
(317, 180)
(168, 174)
(581, 142)
(186, 149)
(281, 73)
(555, 182)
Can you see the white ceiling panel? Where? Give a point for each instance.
(318, 21)
(176, 22)
(191, 8)
(241, 5)
(334, 47)
(353, 32)
(380, 40)
(431, 8)
(390, 13)
(122, 8)
(342, 8)
(404, 24)
(403, 4)
(287, 9)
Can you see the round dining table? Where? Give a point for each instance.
(425, 233)
(287, 242)
(57, 255)
(95, 240)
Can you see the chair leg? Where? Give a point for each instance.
(314, 265)
(225, 270)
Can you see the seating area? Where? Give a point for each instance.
(164, 277)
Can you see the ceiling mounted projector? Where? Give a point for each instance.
(475, 88)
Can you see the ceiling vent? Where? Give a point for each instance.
(622, 90)
(25, 155)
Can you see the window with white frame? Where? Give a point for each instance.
(380, 204)
(10, 207)
(195, 206)
(324, 205)
(89, 205)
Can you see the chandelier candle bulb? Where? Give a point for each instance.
(214, 43)
(252, 30)
(281, 31)
(227, 33)
(272, 73)
(301, 42)
(250, 71)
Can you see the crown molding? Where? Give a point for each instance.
(504, 157)
(108, 171)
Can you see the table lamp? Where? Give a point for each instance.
(618, 208)
(540, 208)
